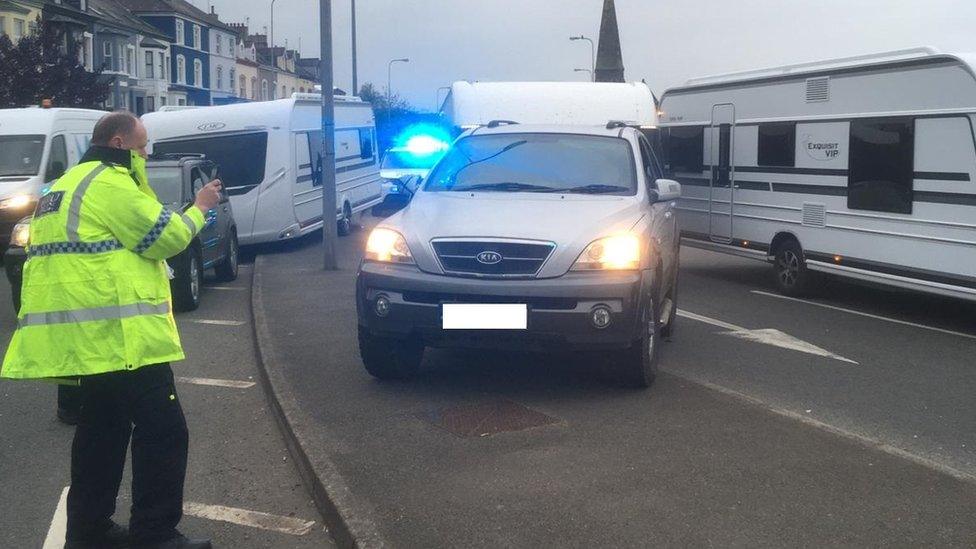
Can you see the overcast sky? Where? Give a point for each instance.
(664, 41)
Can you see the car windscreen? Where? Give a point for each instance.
(241, 157)
(537, 162)
(21, 154)
(167, 182)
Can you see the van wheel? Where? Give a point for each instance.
(390, 358)
(228, 267)
(638, 364)
(187, 285)
(792, 276)
(344, 226)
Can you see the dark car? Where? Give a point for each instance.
(176, 180)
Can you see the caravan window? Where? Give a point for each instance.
(777, 144)
(366, 143)
(241, 157)
(881, 165)
(685, 149)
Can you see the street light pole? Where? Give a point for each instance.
(389, 78)
(271, 38)
(355, 77)
(330, 262)
(592, 53)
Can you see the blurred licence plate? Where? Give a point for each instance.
(488, 316)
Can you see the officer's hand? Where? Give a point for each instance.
(209, 196)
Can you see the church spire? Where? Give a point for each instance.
(609, 61)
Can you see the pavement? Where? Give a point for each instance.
(242, 488)
(843, 420)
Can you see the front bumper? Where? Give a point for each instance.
(559, 309)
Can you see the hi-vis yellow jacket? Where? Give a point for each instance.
(96, 294)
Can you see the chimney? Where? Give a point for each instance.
(609, 61)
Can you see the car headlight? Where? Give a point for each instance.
(388, 246)
(16, 202)
(21, 234)
(619, 252)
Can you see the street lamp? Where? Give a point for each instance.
(272, 30)
(585, 70)
(389, 75)
(592, 53)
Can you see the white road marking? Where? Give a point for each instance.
(253, 519)
(226, 288)
(868, 315)
(712, 321)
(839, 431)
(216, 382)
(59, 523)
(219, 322)
(768, 336)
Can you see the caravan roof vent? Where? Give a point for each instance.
(818, 89)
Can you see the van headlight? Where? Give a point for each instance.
(21, 234)
(388, 246)
(613, 253)
(16, 202)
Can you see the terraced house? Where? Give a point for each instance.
(189, 27)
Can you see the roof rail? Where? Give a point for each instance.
(496, 123)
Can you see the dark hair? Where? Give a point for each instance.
(116, 123)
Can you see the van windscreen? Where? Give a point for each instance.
(21, 154)
(241, 157)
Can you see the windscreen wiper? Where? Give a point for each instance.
(595, 189)
(507, 186)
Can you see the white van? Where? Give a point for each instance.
(36, 147)
(472, 104)
(270, 157)
(863, 167)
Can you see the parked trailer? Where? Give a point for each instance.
(270, 156)
(473, 104)
(861, 167)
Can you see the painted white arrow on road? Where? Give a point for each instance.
(767, 336)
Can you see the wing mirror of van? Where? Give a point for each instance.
(667, 190)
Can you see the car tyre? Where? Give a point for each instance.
(228, 268)
(188, 284)
(390, 358)
(639, 363)
(791, 274)
(344, 225)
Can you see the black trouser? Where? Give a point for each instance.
(141, 403)
(69, 398)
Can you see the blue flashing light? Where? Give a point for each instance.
(423, 140)
(425, 145)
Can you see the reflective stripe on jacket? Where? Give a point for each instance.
(96, 296)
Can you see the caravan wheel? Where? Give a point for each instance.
(792, 276)
(344, 226)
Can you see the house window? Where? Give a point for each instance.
(264, 90)
(777, 144)
(163, 100)
(219, 44)
(150, 66)
(220, 78)
(686, 149)
(882, 165)
(3, 25)
(254, 88)
(150, 104)
(180, 33)
(232, 79)
(107, 62)
(243, 84)
(162, 66)
(196, 36)
(168, 76)
(181, 102)
(130, 61)
(120, 61)
(284, 92)
(18, 30)
(88, 51)
(198, 73)
(181, 69)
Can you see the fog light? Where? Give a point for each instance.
(600, 317)
(382, 306)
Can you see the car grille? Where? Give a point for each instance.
(437, 298)
(514, 258)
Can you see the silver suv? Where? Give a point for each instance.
(532, 238)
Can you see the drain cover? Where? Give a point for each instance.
(486, 419)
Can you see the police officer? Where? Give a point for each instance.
(96, 308)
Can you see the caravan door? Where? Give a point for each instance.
(308, 181)
(722, 181)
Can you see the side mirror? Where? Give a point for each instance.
(667, 190)
(393, 203)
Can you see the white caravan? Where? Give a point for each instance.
(36, 147)
(270, 156)
(473, 104)
(863, 167)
